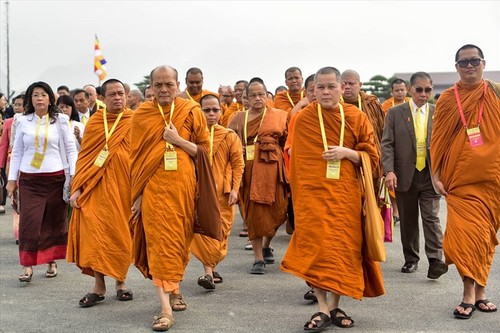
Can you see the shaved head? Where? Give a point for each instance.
(163, 68)
(350, 73)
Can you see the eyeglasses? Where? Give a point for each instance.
(427, 90)
(207, 110)
(464, 63)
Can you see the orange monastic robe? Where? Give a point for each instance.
(389, 103)
(228, 112)
(376, 115)
(163, 232)
(228, 165)
(326, 246)
(471, 176)
(282, 100)
(99, 238)
(196, 98)
(264, 187)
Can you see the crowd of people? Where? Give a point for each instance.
(108, 176)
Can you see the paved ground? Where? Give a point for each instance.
(243, 303)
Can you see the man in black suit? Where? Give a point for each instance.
(406, 160)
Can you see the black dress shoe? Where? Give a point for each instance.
(436, 269)
(409, 267)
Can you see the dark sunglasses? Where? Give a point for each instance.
(420, 90)
(207, 110)
(464, 63)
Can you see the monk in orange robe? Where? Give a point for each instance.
(467, 171)
(398, 91)
(194, 86)
(370, 105)
(286, 100)
(236, 106)
(226, 157)
(326, 247)
(263, 133)
(99, 240)
(164, 139)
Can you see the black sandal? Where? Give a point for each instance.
(217, 277)
(466, 306)
(310, 296)
(52, 271)
(90, 299)
(25, 277)
(337, 320)
(319, 324)
(124, 295)
(206, 282)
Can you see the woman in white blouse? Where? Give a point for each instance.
(42, 149)
(66, 104)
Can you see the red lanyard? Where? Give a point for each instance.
(461, 110)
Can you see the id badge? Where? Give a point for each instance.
(250, 150)
(103, 155)
(475, 137)
(37, 160)
(333, 169)
(170, 159)
(421, 149)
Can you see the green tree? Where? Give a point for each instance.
(379, 86)
(144, 83)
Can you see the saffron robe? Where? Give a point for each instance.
(326, 247)
(99, 237)
(228, 112)
(228, 165)
(282, 102)
(471, 176)
(389, 103)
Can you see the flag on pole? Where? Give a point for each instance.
(99, 61)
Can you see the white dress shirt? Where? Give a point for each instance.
(24, 146)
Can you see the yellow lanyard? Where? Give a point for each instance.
(191, 98)
(245, 128)
(167, 144)
(290, 98)
(210, 157)
(415, 123)
(360, 106)
(322, 127)
(106, 131)
(37, 133)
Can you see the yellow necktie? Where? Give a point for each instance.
(420, 134)
(84, 119)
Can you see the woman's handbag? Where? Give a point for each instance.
(386, 211)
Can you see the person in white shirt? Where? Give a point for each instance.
(67, 106)
(42, 149)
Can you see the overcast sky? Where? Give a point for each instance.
(53, 41)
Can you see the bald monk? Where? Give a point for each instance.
(226, 157)
(99, 240)
(398, 92)
(264, 188)
(194, 86)
(326, 247)
(370, 105)
(235, 106)
(467, 172)
(165, 136)
(286, 100)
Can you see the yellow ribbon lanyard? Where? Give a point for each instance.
(210, 157)
(333, 167)
(168, 145)
(106, 128)
(245, 128)
(415, 123)
(290, 98)
(37, 133)
(190, 97)
(360, 106)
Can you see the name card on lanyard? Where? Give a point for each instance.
(332, 167)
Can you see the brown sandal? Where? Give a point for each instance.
(162, 323)
(177, 302)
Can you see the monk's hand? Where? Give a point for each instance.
(391, 181)
(136, 207)
(438, 184)
(11, 187)
(336, 153)
(170, 134)
(74, 198)
(233, 197)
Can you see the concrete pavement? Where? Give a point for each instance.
(243, 303)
